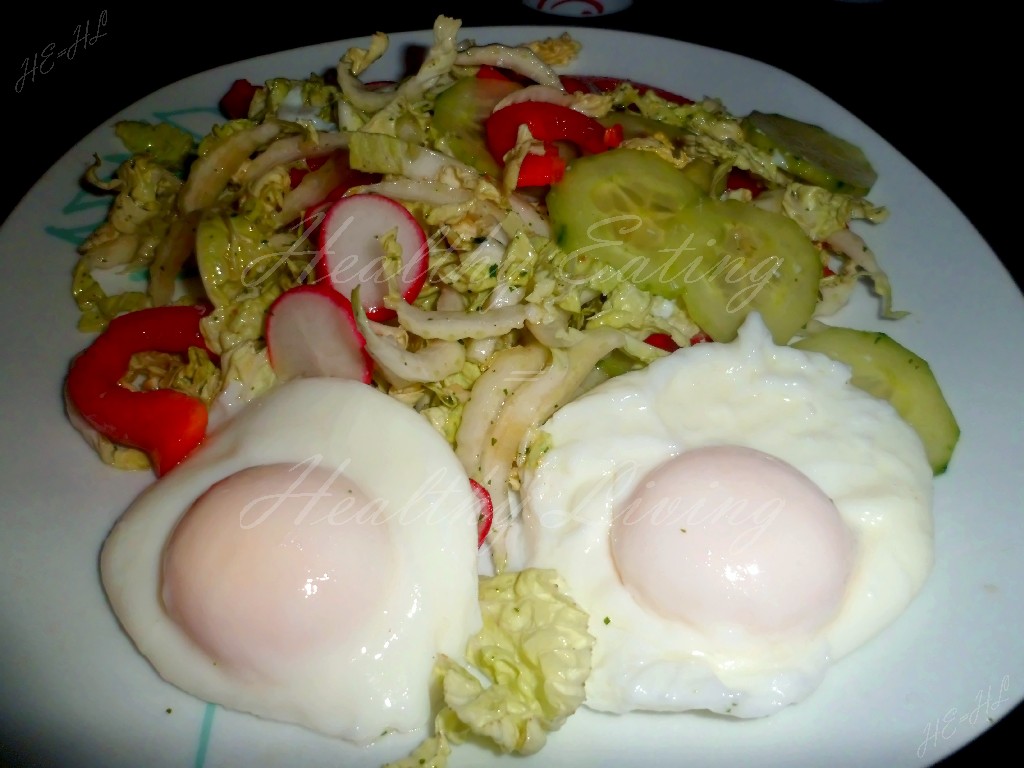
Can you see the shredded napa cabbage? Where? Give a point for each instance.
(313, 101)
(525, 671)
(146, 192)
(171, 146)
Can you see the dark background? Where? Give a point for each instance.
(934, 80)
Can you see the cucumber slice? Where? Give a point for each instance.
(459, 115)
(811, 153)
(890, 371)
(636, 126)
(640, 214)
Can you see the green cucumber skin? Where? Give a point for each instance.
(888, 370)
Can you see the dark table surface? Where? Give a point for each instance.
(934, 88)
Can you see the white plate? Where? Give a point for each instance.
(936, 679)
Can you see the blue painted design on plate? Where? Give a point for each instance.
(204, 736)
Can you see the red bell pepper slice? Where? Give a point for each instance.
(166, 424)
(541, 170)
(547, 122)
(234, 104)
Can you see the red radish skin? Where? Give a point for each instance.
(311, 331)
(350, 252)
(486, 516)
(314, 215)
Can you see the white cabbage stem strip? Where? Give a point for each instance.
(113, 253)
(311, 190)
(508, 369)
(170, 255)
(552, 330)
(211, 173)
(520, 60)
(528, 406)
(400, 366)
(290, 149)
(365, 99)
(544, 93)
(503, 297)
(453, 325)
(533, 220)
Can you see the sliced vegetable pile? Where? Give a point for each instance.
(483, 239)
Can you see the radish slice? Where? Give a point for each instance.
(486, 516)
(311, 331)
(351, 253)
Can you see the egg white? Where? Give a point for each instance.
(379, 678)
(794, 405)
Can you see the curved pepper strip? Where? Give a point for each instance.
(234, 104)
(541, 170)
(167, 425)
(548, 122)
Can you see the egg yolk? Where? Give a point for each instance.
(726, 537)
(276, 561)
